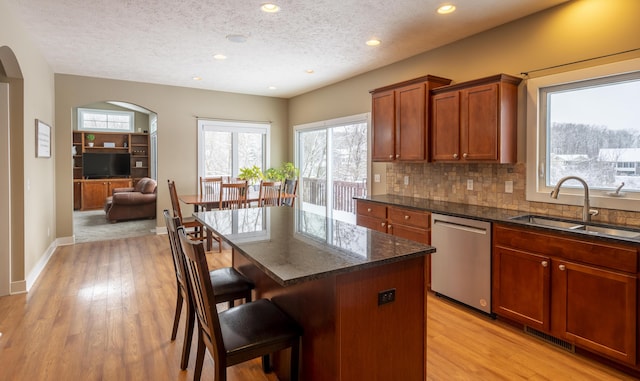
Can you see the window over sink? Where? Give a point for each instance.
(586, 123)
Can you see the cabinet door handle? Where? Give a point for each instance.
(465, 155)
(382, 224)
(397, 156)
(455, 155)
(562, 267)
(545, 263)
(390, 156)
(389, 226)
(369, 210)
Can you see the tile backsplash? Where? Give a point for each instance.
(448, 182)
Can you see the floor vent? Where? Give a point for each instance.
(567, 346)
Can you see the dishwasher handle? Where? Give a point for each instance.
(470, 229)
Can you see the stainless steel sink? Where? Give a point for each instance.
(544, 221)
(609, 231)
(577, 226)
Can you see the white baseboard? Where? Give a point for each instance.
(19, 287)
(42, 263)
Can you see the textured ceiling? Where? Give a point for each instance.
(170, 42)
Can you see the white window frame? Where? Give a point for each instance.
(536, 189)
(326, 125)
(234, 127)
(129, 114)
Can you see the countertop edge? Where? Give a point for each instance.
(493, 215)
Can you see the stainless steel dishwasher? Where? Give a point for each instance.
(461, 266)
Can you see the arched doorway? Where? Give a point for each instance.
(11, 99)
(89, 218)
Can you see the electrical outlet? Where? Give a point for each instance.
(469, 184)
(406, 180)
(376, 178)
(508, 186)
(386, 296)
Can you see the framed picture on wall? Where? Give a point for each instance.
(43, 139)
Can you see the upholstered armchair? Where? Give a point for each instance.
(132, 203)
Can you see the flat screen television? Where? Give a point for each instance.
(105, 165)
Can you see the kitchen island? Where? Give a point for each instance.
(359, 294)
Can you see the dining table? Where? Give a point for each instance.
(359, 294)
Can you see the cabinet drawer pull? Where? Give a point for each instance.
(465, 155)
(545, 263)
(406, 217)
(455, 155)
(369, 210)
(562, 267)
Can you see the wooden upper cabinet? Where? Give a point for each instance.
(384, 116)
(475, 121)
(400, 114)
(445, 130)
(411, 138)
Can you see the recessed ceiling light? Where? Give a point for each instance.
(373, 42)
(270, 7)
(310, 71)
(220, 57)
(196, 78)
(272, 88)
(237, 38)
(447, 8)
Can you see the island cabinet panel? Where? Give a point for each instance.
(400, 118)
(475, 121)
(383, 346)
(347, 335)
(583, 291)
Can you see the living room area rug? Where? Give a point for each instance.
(92, 225)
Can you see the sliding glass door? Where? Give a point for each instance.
(332, 157)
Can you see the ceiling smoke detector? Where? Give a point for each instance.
(239, 38)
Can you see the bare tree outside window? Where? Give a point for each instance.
(594, 133)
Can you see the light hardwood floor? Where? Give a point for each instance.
(104, 311)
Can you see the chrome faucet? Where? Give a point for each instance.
(586, 212)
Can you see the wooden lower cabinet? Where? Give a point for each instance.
(95, 192)
(402, 222)
(581, 291)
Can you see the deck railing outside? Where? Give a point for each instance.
(314, 192)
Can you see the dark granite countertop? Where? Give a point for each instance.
(294, 246)
(485, 213)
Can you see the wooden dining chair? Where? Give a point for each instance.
(290, 188)
(210, 187)
(229, 286)
(195, 228)
(239, 334)
(270, 193)
(233, 195)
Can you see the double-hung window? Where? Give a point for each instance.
(586, 123)
(226, 146)
(105, 120)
